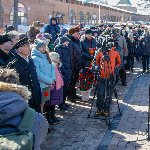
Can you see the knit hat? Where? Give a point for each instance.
(53, 55)
(47, 36)
(20, 43)
(38, 43)
(73, 30)
(53, 19)
(63, 31)
(88, 31)
(46, 41)
(39, 35)
(4, 38)
(63, 39)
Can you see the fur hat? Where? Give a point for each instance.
(10, 82)
(20, 43)
(39, 43)
(4, 38)
(73, 30)
(53, 55)
(37, 24)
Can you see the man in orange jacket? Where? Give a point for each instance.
(108, 61)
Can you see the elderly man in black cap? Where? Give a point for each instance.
(25, 68)
(5, 47)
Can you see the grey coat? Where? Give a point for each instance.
(123, 45)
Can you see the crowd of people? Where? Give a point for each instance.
(46, 69)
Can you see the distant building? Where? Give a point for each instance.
(66, 11)
(126, 5)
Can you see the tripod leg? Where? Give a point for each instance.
(89, 115)
(116, 96)
(108, 119)
(108, 102)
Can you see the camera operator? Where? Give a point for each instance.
(107, 60)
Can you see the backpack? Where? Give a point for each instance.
(23, 138)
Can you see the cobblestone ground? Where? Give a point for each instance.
(127, 132)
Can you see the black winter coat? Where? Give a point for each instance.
(28, 77)
(5, 58)
(76, 49)
(54, 30)
(145, 45)
(65, 56)
(86, 45)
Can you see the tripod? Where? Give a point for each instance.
(108, 91)
(107, 98)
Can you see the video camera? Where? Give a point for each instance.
(110, 42)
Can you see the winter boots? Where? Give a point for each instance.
(51, 118)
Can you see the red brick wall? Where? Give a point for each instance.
(41, 9)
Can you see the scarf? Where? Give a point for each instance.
(59, 79)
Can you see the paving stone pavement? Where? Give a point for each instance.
(127, 132)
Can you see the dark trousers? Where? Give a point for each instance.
(50, 114)
(130, 62)
(49, 108)
(72, 85)
(145, 62)
(65, 92)
(122, 74)
(104, 94)
(137, 55)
